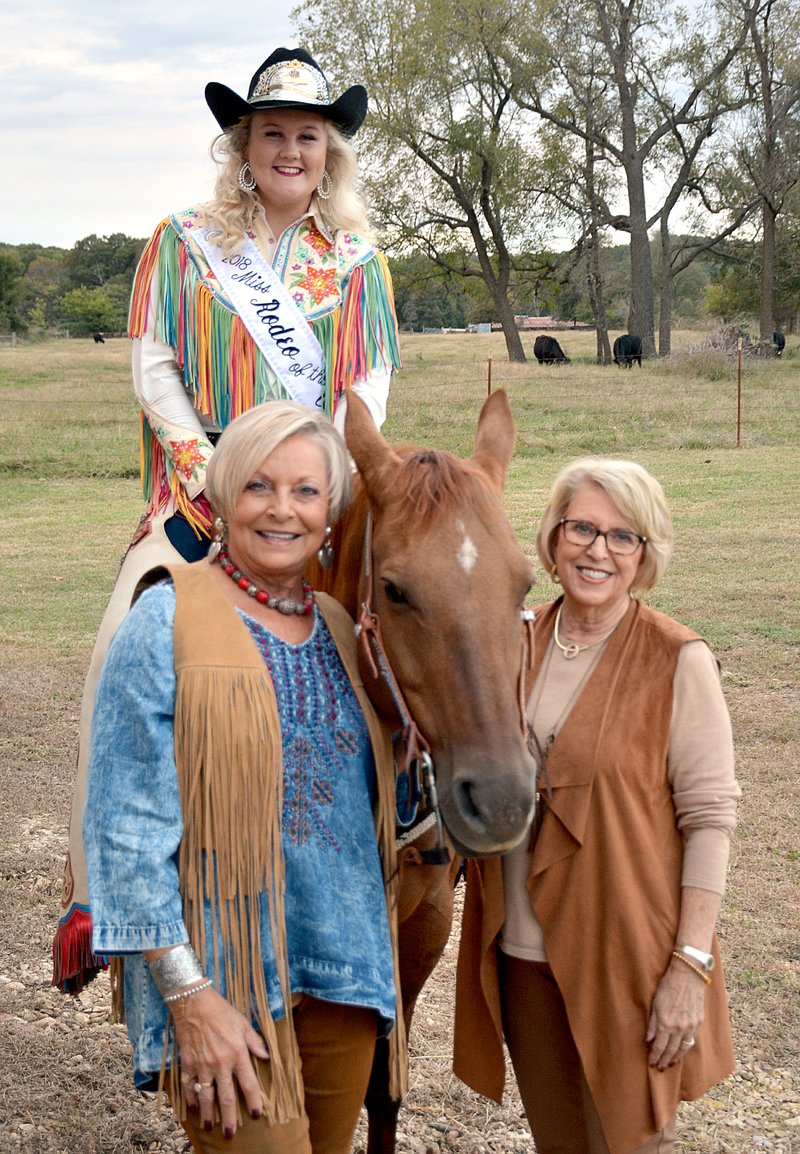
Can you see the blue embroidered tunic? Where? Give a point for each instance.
(339, 950)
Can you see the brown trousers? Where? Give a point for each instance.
(558, 1104)
(337, 1044)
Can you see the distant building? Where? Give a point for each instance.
(527, 324)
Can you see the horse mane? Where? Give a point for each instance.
(432, 483)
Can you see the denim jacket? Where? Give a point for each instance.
(339, 950)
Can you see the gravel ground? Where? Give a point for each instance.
(64, 1069)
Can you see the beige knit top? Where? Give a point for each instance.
(700, 771)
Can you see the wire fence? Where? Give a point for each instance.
(696, 401)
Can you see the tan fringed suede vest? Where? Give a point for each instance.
(228, 753)
(605, 883)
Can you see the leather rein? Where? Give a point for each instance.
(412, 750)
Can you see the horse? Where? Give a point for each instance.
(429, 566)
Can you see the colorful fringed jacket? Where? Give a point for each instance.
(339, 282)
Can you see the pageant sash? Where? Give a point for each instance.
(271, 317)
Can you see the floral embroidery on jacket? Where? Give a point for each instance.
(185, 456)
(318, 242)
(318, 283)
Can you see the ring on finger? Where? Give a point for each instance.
(688, 1042)
(199, 1086)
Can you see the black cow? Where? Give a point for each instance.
(98, 338)
(548, 351)
(628, 349)
(779, 341)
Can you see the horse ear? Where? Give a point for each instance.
(376, 461)
(495, 438)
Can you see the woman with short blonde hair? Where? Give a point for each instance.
(239, 820)
(590, 950)
(637, 495)
(256, 433)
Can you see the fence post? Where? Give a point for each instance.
(489, 378)
(739, 393)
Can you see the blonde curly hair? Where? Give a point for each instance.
(233, 211)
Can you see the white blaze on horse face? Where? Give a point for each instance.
(467, 553)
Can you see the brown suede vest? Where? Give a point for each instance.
(228, 754)
(605, 883)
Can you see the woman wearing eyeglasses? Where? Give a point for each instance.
(591, 949)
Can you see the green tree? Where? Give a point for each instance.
(89, 310)
(734, 289)
(97, 259)
(787, 275)
(11, 270)
(661, 82)
(451, 158)
(770, 150)
(424, 296)
(582, 180)
(42, 286)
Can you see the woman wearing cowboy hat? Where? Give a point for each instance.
(272, 290)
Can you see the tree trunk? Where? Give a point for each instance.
(594, 272)
(665, 311)
(640, 317)
(594, 284)
(767, 319)
(505, 314)
(497, 280)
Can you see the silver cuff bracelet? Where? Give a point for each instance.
(176, 968)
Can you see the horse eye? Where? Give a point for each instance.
(394, 593)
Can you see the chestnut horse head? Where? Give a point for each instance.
(448, 582)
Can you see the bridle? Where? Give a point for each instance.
(412, 750)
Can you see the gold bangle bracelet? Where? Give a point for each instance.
(687, 962)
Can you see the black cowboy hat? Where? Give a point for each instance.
(289, 78)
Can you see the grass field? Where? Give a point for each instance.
(69, 468)
(69, 486)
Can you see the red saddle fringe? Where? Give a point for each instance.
(74, 963)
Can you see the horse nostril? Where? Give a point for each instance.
(469, 810)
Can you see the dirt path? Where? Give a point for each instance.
(64, 1070)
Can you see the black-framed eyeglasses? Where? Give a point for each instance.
(622, 541)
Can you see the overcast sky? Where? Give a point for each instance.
(103, 124)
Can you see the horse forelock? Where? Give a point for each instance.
(432, 484)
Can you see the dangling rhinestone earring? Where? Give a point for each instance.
(217, 541)
(326, 553)
(325, 186)
(246, 180)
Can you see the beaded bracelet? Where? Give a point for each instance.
(188, 993)
(687, 962)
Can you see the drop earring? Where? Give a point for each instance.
(325, 186)
(245, 179)
(326, 553)
(218, 539)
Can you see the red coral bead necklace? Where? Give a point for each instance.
(284, 605)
